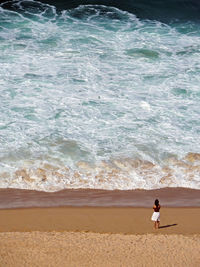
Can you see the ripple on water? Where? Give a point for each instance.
(100, 96)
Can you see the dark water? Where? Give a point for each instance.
(163, 10)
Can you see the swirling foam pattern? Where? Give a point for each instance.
(96, 97)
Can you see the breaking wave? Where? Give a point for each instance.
(99, 96)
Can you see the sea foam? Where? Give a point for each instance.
(97, 97)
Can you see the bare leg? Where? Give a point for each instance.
(155, 224)
(158, 222)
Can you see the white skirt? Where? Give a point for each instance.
(155, 216)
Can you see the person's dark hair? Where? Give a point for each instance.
(156, 202)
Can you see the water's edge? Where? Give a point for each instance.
(169, 197)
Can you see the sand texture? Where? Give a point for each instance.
(115, 232)
(101, 236)
(93, 249)
(100, 220)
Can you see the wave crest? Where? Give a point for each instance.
(122, 174)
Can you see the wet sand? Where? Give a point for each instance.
(47, 230)
(169, 197)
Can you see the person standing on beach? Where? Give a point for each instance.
(156, 214)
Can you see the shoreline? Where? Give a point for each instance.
(169, 197)
(100, 211)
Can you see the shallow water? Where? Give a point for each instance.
(98, 97)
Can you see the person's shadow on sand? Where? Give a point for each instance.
(168, 225)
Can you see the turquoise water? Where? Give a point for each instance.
(97, 97)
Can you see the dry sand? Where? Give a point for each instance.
(100, 220)
(88, 236)
(101, 228)
(93, 249)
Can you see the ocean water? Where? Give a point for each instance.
(99, 94)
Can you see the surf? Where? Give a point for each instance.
(161, 10)
(96, 97)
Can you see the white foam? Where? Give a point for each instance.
(145, 105)
(95, 89)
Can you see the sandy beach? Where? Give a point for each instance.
(99, 117)
(94, 249)
(100, 220)
(101, 235)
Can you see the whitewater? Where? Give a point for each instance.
(97, 97)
